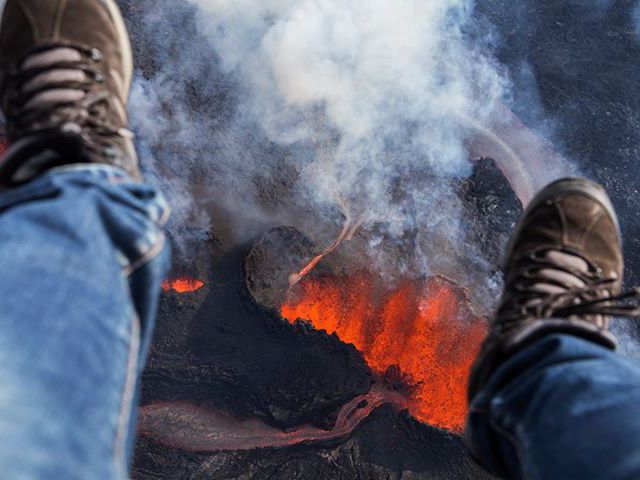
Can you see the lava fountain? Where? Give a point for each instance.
(424, 328)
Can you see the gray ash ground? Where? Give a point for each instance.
(584, 58)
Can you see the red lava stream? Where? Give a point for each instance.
(191, 428)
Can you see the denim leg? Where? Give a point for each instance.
(82, 257)
(562, 409)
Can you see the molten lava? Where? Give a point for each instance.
(191, 428)
(423, 328)
(348, 231)
(182, 285)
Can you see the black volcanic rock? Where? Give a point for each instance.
(215, 347)
(491, 209)
(239, 356)
(273, 257)
(218, 348)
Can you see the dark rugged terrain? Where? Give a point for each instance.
(575, 68)
(387, 446)
(218, 349)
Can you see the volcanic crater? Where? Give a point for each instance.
(281, 352)
(308, 375)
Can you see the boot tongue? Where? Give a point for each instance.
(552, 281)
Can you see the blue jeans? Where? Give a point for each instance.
(82, 257)
(564, 408)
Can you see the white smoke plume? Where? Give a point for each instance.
(348, 108)
(391, 82)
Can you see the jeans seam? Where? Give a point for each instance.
(127, 397)
(128, 392)
(147, 257)
(92, 169)
(506, 435)
(478, 410)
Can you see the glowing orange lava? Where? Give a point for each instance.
(182, 285)
(425, 328)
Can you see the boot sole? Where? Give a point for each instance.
(564, 187)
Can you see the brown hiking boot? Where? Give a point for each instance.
(563, 274)
(65, 74)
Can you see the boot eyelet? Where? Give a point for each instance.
(72, 128)
(110, 153)
(96, 55)
(98, 77)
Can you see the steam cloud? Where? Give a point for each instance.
(305, 112)
(343, 99)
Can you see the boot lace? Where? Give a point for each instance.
(60, 88)
(562, 283)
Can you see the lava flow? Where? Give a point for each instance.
(425, 328)
(348, 231)
(182, 285)
(191, 428)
